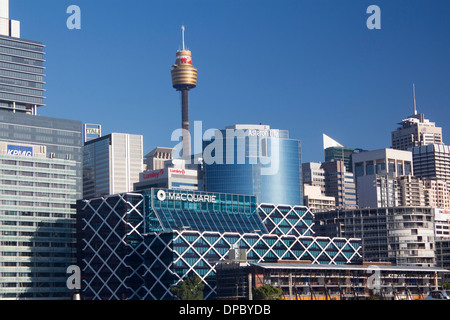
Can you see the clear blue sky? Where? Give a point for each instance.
(309, 66)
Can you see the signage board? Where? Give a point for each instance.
(20, 151)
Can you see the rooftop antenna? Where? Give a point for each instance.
(414, 95)
(182, 31)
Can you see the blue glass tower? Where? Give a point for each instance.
(254, 160)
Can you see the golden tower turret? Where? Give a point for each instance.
(184, 78)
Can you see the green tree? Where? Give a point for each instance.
(189, 289)
(267, 292)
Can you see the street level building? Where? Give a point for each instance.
(402, 236)
(300, 281)
(443, 256)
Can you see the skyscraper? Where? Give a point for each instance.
(432, 161)
(40, 175)
(21, 67)
(335, 151)
(254, 160)
(378, 173)
(416, 131)
(334, 181)
(112, 164)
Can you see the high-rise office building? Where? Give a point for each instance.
(432, 161)
(340, 184)
(40, 176)
(21, 67)
(376, 174)
(156, 158)
(334, 181)
(254, 160)
(112, 164)
(334, 151)
(416, 131)
(437, 193)
(314, 175)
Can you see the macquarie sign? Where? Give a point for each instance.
(20, 151)
(163, 195)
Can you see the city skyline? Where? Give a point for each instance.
(306, 67)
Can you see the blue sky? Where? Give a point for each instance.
(308, 66)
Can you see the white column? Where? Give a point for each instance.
(4, 9)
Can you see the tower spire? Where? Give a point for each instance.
(414, 96)
(182, 32)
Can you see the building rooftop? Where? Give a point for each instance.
(302, 266)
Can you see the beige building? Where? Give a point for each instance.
(155, 159)
(333, 180)
(314, 199)
(437, 193)
(416, 131)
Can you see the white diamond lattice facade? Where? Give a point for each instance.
(123, 258)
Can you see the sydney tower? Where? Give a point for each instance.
(184, 78)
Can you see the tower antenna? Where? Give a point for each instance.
(414, 95)
(182, 31)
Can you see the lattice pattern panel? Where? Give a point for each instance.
(120, 262)
(112, 242)
(173, 256)
(287, 220)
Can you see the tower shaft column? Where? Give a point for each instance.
(185, 122)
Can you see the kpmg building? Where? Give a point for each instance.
(40, 175)
(139, 245)
(255, 160)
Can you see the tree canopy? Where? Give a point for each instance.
(189, 289)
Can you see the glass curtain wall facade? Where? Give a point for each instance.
(38, 190)
(202, 211)
(62, 138)
(40, 175)
(254, 160)
(21, 74)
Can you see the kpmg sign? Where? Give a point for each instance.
(20, 151)
(183, 196)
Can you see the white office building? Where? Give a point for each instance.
(378, 173)
(112, 164)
